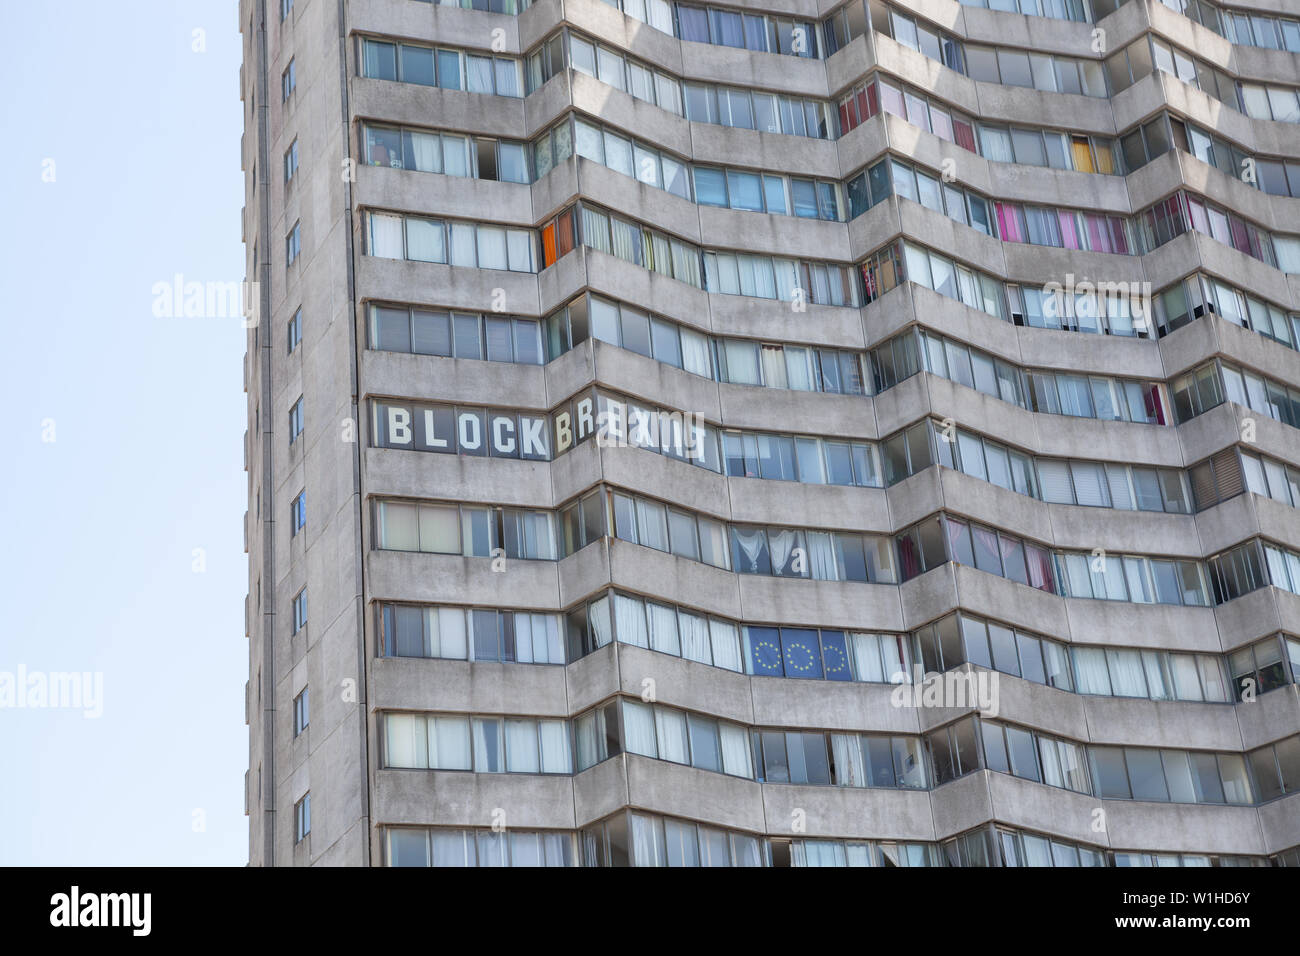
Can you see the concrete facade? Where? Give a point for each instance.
(340, 758)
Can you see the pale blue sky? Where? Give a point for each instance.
(101, 524)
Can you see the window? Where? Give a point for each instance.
(288, 81)
(286, 7)
(295, 420)
(300, 713)
(301, 809)
(293, 244)
(298, 513)
(295, 330)
(300, 611)
(291, 161)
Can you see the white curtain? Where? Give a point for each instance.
(671, 727)
(478, 74)
(629, 619)
(1054, 482)
(683, 843)
(821, 556)
(782, 543)
(521, 746)
(647, 841)
(463, 245)
(639, 728)
(695, 354)
(555, 746)
(386, 236)
(598, 615)
(1126, 673)
(735, 750)
(787, 280)
(1155, 676)
(404, 741)
(1212, 678)
(652, 525)
(660, 15)
(866, 658)
(1090, 484)
(742, 362)
(751, 541)
(492, 248)
(1187, 683)
(1090, 665)
(524, 639)
(694, 637)
(798, 366)
(453, 848)
(663, 629)
(487, 745)
(849, 768)
(424, 241)
(426, 151)
(455, 155)
(773, 359)
(896, 660)
(449, 743)
(446, 627)
(726, 645)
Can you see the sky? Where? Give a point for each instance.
(122, 483)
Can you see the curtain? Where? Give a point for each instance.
(849, 768)
(386, 236)
(426, 152)
(866, 658)
(752, 542)
(893, 654)
(1054, 482)
(1155, 677)
(1090, 665)
(425, 241)
(773, 362)
(478, 74)
(404, 745)
(663, 629)
(821, 556)
(695, 353)
(523, 649)
(595, 229)
(782, 544)
(695, 638)
(671, 729)
(629, 621)
(626, 242)
(521, 746)
(639, 728)
(451, 640)
(491, 247)
(735, 750)
(1187, 682)
(598, 616)
(453, 848)
(647, 841)
(787, 278)
(487, 745)
(726, 645)
(449, 747)
(555, 746)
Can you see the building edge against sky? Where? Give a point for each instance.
(647, 395)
